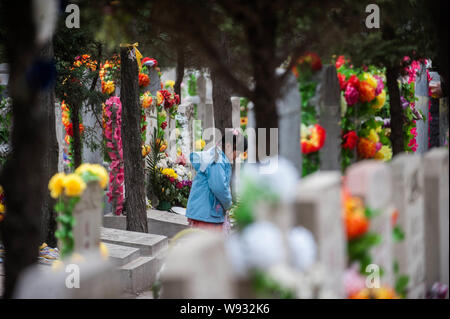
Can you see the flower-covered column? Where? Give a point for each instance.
(113, 112)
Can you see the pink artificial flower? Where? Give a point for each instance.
(380, 85)
(378, 146)
(351, 95)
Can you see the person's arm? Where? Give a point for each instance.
(217, 184)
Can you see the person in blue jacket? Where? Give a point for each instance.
(210, 195)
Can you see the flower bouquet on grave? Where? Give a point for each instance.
(360, 241)
(363, 98)
(73, 201)
(267, 262)
(312, 134)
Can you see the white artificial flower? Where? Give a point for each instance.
(262, 244)
(302, 247)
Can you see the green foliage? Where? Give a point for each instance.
(266, 287)
(398, 234)
(192, 85)
(359, 249)
(64, 208)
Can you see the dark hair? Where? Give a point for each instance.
(237, 139)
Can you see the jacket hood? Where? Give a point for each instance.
(201, 160)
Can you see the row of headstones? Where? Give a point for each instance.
(417, 186)
(86, 273)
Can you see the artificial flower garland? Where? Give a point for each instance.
(363, 102)
(408, 102)
(312, 134)
(113, 122)
(68, 126)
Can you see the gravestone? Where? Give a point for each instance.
(329, 111)
(186, 111)
(201, 93)
(97, 277)
(4, 77)
(288, 108)
(408, 198)
(436, 186)
(443, 121)
(251, 115)
(198, 267)
(60, 133)
(371, 181)
(433, 121)
(421, 93)
(88, 216)
(318, 208)
(155, 81)
(95, 130)
(236, 111)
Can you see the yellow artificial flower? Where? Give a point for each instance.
(108, 87)
(74, 185)
(96, 170)
(2, 208)
(159, 98)
(384, 153)
(373, 136)
(170, 83)
(162, 114)
(199, 144)
(56, 185)
(104, 253)
(370, 79)
(379, 101)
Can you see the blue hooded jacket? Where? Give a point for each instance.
(210, 194)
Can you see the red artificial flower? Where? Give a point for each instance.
(144, 80)
(163, 125)
(177, 99)
(340, 61)
(353, 80)
(350, 140)
(314, 141)
(342, 82)
(149, 62)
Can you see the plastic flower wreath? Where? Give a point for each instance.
(113, 126)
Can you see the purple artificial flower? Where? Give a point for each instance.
(386, 123)
(380, 85)
(351, 95)
(404, 102)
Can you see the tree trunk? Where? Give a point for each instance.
(47, 100)
(75, 119)
(261, 40)
(23, 177)
(395, 110)
(180, 68)
(131, 137)
(221, 92)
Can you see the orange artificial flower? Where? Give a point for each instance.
(366, 91)
(366, 148)
(144, 80)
